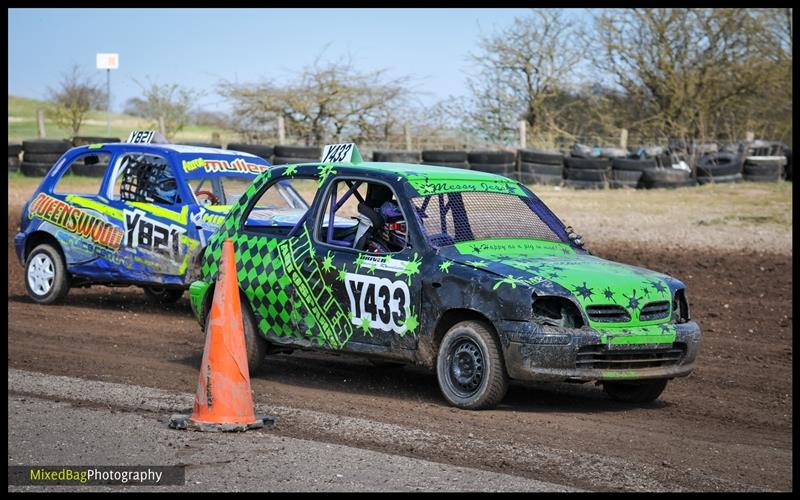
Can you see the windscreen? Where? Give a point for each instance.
(451, 218)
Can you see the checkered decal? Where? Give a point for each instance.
(266, 267)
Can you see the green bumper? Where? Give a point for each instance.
(197, 296)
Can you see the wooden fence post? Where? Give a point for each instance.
(623, 138)
(407, 133)
(281, 130)
(523, 134)
(40, 123)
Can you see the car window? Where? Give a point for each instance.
(219, 189)
(363, 216)
(84, 175)
(145, 178)
(280, 207)
(451, 218)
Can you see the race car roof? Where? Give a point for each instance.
(174, 148)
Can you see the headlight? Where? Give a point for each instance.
(680, 307)
(556, 311)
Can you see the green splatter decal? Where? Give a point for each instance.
(445, 266)
(411, 268)
(591, 280)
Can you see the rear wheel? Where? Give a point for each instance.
(639, 391)
(162, 295)
(46, 279)
(470, 368)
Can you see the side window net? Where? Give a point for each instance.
(147, 178)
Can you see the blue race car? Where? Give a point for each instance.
(145, 222)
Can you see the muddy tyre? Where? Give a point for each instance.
(469, 367)
(640, 391)
(46, 279)
(161, 295)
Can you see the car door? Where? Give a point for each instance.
(71, 208)
(154, 207)
(378, 291)
(272, 246)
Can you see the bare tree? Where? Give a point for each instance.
(520, 69)
(171, 103)
(72, 100)
(326, 100)
(689, 67)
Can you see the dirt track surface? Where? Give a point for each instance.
(728, 426)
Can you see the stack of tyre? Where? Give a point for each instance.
(627, 172)
(540, 166)
(493, 162)
(13, 156)
(445, 158)
(91, 169)
(38, 155)
(582, 171)
(766, 162)
(397, 156)
(84, 140)
(660, 177)
(260, 150)
(288, 154)
(719, 168)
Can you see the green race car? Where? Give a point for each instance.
(463, 272)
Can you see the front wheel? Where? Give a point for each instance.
(161, 295)
(639, 391)
(46, 279)
(470, 368)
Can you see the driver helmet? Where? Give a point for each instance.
(165, 189)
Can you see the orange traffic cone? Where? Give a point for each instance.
(223, 401)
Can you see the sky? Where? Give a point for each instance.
(199, 47)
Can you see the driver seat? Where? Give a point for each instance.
(376, 224)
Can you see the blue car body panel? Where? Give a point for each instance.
(108, 240)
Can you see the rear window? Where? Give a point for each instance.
(451, 218)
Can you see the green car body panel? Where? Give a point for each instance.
(294, 286)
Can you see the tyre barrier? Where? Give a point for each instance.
(46, 146)
(491, 157)
(505, 169)
(85, 140)
(93, 170)
(574, 163)
(541, 168)
(14, 150)
(667, 178)
(397, 155)
(625, 179)
(718, 165)
(29, 169)
(541, 157)
(282, 160)
(633, 164)
(295, 151)
(542, 179)
(260, 150)
(441, 156)
(764, 168)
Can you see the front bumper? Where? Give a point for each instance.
(544, 353)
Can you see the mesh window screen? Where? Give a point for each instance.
(455, 217)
